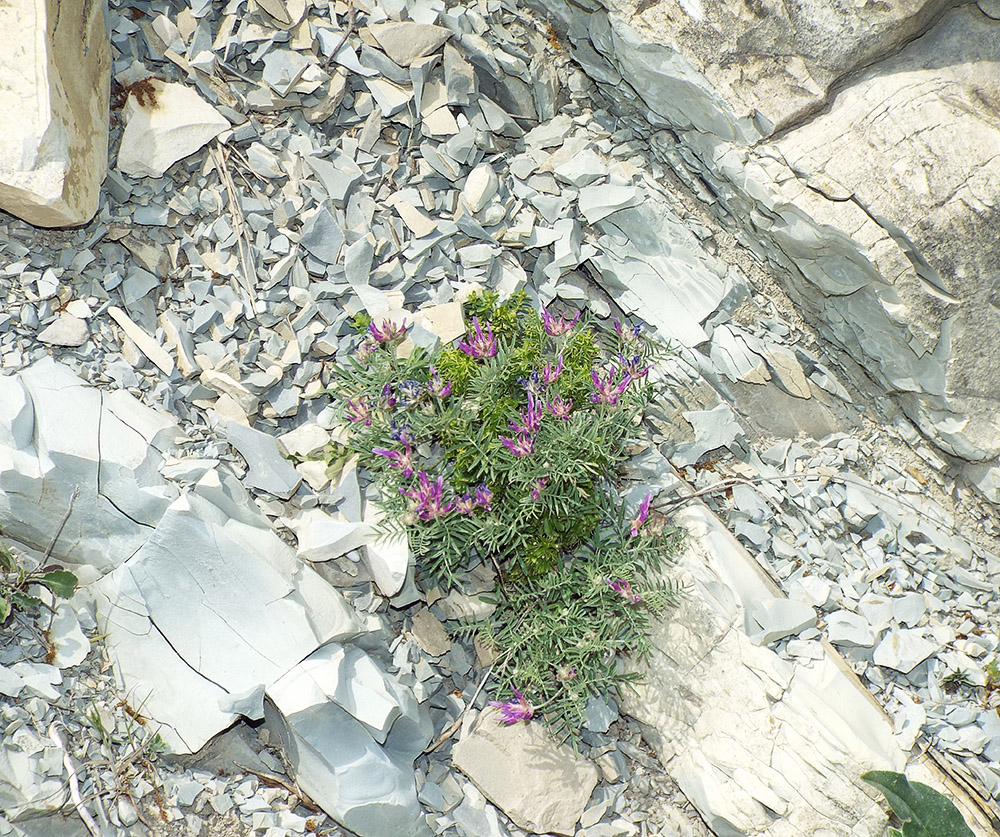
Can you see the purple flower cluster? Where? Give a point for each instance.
(557, 328)
(514, 710)
(623, 589)
(398, 459)
(427, 497)
(360, 410)
(521, 446)
(480, 345)
(530, 418)
(538, 487)
(643, 515)
(608, 391)
(437, 387)
(386, 332)
(560, 407)
(628, 335)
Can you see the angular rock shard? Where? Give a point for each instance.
(166, 123)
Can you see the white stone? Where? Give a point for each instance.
(323, 536)
(406, 42)
(55, 64)
(480, 187)
(542, 787)
(849, 629)
(904, 649)
(779, 618)
(165, 125)
(66, 330)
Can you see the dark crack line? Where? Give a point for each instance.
(849, 78)
(100, 460)
(180, 656)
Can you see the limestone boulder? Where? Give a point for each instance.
(56, 68)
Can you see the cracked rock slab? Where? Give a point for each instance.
(542, 787)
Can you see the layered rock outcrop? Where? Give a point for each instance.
(856, 147)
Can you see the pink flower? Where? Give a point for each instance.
(550, 375)
(465, 504)
(560, 407)
(556, 328)
(484, 497)
(480, 345)
(522, 446)
(530, 418)
(437, 387)
(628, 335)
(643, 515)
(387, 332)
(360, 410)
(398, 459)
(514, 710)
(607, 391)
(634, 367)
(623, 589)
(426, 500)
(536, 492)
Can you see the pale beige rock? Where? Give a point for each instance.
(143, 341)
(542, 787)
(54, 96)
(788, 372)
(67, 330)
(430, 633)
(407, 42)
(165, 123)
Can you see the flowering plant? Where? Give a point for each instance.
(501, 450)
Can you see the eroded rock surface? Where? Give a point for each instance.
(56, 70)
(859, 154)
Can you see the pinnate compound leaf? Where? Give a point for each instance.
(62, 583)
(924, 811)
(4, 609)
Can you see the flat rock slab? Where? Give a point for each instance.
(746, 735)
(542, 787)
(166, 123)
(56, 68)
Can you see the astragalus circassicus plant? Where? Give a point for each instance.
(503, 450)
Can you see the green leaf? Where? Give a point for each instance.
(4, 609)
(7, 559)
(25, 602)
(62, 583)
(925, 812)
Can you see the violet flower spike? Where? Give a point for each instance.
(560, 407)
(514, 710)
(387, 332)
(427, 497)
(484, 497)
(365, 350)
(437, 387)
(607, 392)
(533, 383)
(550, 374)
(480, 345)
(398, 459)
(359, 410)
(523, 446)
(465, 504)
(623, 589)
(556, 328)
(643, 515)
(530, 418)
(629, 335)
(635, 366)
(536, 492)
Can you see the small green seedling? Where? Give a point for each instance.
(16, 581)
(924, 811)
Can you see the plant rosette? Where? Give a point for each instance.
(502, 450)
